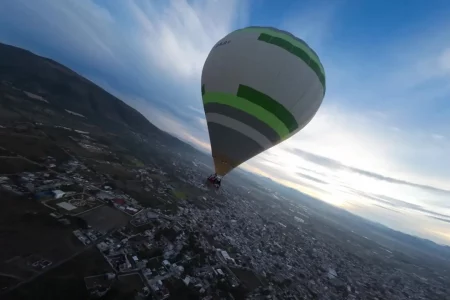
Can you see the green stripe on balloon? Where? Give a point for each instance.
(290, 38)
(268, 104)
(249, 107)
(300, 52)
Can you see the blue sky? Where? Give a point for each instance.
(379, 145)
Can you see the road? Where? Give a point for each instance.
(11, 276)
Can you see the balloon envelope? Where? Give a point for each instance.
(260, 86)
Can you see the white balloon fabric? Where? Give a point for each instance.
(260, 86)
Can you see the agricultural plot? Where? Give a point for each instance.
(35, 239)
(105, 218)
(65, 281)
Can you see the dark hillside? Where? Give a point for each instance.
(66, 90)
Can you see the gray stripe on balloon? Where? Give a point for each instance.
(245, 118)
(244, 129)
(232, 144)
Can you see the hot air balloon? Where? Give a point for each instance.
(260, 86)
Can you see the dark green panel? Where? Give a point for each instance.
(300, 53)
(268, 104)
(281, 43)
(264, 37)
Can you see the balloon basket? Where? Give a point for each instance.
(213, 181)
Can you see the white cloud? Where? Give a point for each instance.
(437, 136)
(199, 111)
(367, 142)
(179, 35)
(313, 23)
(444, 60)
(73, 27)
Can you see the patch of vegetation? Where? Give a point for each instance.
(180, 194)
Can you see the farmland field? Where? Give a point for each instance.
(65, 281)
(132, 282)
(105, 218)
(248, 277)
(31, 234)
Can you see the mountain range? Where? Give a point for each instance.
(64, 90)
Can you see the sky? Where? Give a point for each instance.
(379, 145)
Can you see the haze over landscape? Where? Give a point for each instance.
(379, 144)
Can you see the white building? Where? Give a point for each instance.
(58, 194)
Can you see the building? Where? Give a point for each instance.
(119, 201)
(58, 194)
